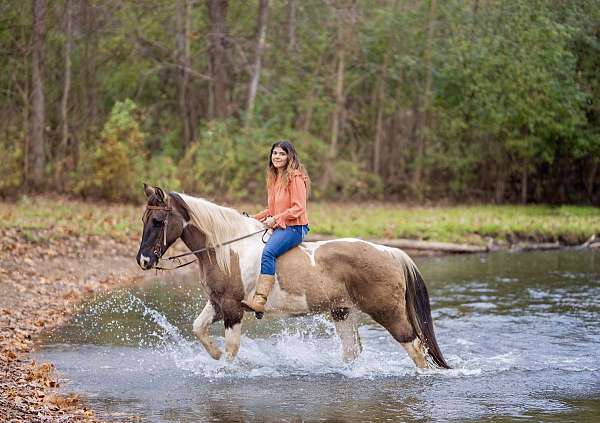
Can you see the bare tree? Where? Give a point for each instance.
(261, 40)
(186, 106)
(424, 112)
(90, 64)
(36, 137)
(217, 40)
(290, 26)
(64, 103)
(345, 20)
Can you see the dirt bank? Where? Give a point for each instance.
(41, 281)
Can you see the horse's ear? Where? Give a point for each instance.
(148, 190)
(180, 206)
(161, 194)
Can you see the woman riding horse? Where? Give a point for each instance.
(288, 185)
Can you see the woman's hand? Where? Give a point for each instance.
(269, 222)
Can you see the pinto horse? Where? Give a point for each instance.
(342, 277)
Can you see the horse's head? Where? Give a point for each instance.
(164, 220)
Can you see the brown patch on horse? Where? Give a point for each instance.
(298, 277)
(225, 291)
(374, 280)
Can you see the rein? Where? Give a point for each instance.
(201, 250)
(158, 247)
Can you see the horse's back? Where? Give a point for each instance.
(335, 273)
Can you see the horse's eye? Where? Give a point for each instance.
(157, 222)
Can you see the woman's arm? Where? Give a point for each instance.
(298, 201)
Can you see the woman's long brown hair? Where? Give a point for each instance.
(293, 163)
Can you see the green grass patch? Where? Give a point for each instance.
(462, 224)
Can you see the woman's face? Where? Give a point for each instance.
(279, 158)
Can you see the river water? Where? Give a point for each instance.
(521, 332)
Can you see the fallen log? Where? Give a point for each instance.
(536, 247)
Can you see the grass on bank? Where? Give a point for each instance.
(462, 224)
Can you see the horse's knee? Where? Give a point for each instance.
(199, 327)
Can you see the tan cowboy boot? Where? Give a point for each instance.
(264, 284)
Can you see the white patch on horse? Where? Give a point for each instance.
(310, 248)
(144, 260)
(232, 340)
(200, 328)
(417, 352)
(249, 251)
(347, 330)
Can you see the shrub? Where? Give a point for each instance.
(113, 169)
(350, 180)
(11, 166)
(231, 163)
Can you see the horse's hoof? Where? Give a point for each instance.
(259, 315)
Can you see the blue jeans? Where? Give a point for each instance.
(281, 241)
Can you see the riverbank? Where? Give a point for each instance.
(42, 282)
(487, 226)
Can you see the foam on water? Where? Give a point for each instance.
(308, 346)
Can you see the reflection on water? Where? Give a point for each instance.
(521, 332)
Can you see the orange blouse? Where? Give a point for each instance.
(287, 204)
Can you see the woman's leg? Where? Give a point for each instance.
(281, 240)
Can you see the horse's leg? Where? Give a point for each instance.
(416, 351)
(232, 317)
(345, 327)
(387, 307)
(201, 328)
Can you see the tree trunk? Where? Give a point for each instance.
(290, 26)
(590, 178)
(217, 39)
(500, 184)
(36, 138)
(89, 69)
(345, 28)
(184, 12)
(335, 119)
(64, 103)
(421, 137)
(305, 121)
(524, 184)
(379, 120)
(261, 39)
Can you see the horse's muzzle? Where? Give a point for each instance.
(146, 262)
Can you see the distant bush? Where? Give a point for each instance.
(231, 163)
(113, 169)
(351, 181)
(11, 165)
(162, 171)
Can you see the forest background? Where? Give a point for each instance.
(460, 100)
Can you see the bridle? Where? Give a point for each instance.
(157, 249)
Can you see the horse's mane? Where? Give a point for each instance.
(218, 224)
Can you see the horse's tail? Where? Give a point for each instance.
(419, 310)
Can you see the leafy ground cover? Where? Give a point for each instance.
(473, 224)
